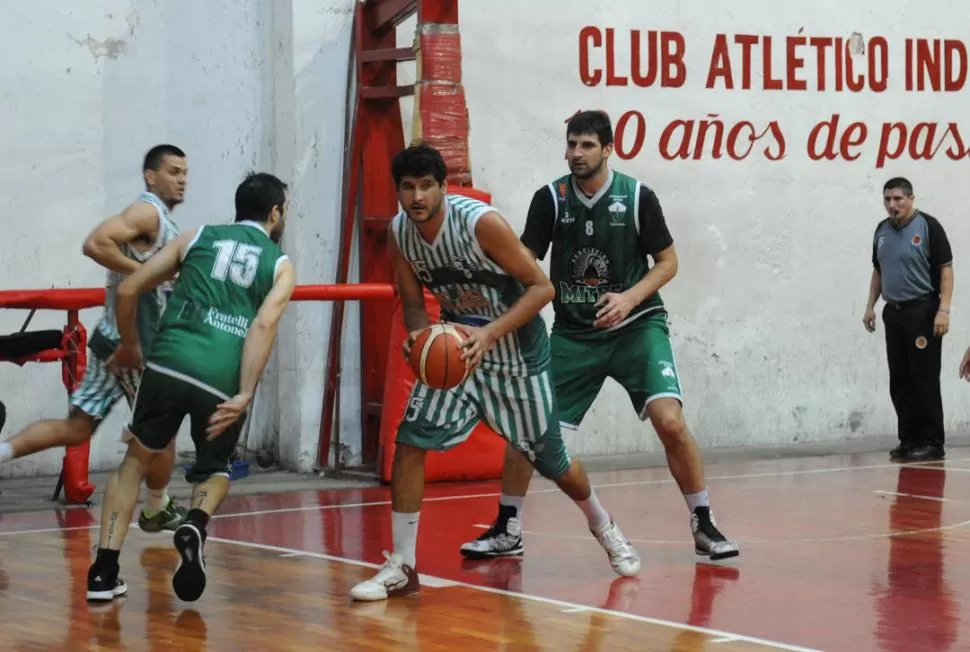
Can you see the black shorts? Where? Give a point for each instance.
(162, 403)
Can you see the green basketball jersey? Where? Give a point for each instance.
(470, 287)
(226, 274)
(596, 250)
(104, 340)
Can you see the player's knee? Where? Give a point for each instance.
(77, 429)
(669, 423)
(551, 460)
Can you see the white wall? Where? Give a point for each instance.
(84, 93)
(767, 307)
(774, 255)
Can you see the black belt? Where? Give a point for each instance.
(911, 303)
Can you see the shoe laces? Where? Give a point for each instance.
(389, 569)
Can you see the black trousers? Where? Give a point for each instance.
(914, 357)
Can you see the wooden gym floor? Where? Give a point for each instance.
(845, 552)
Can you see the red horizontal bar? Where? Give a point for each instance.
(82, 298)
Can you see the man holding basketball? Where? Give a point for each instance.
(467, 255)
(609, 321)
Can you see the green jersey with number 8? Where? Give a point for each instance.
(226, 274)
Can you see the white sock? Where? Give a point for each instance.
(157, 500)
(595, 514)
(404, 530)
(513, 501)
(700, 499)
(6, 452)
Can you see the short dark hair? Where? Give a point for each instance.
(256, 196)
(418, 161)
(591, 122)
(154, 157)
(899, 183)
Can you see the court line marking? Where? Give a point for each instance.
(939, 499)
(561, 604)
(435, 499)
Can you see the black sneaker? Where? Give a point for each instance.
(165, 519)
(708, 540)
(503, 539)
(104, 588)
(189, 579)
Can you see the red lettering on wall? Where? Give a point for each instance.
(619, 134)
(936, 64)
(589, 37)
(677, 141)
(642, 57)
(733, 64)
(854, 135)
(921, 143)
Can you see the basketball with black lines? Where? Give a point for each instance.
(436, 356)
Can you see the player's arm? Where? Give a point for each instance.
(262, 332)
(656, 242)
(875, 287)
(540, 222)
(499, 243)
(161, 267)
(409, 289)
(256, 349)
(103, 245)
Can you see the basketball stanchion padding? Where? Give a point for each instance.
(68, 347)
(479, 457)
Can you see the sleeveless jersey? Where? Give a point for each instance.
(470, 287)
(226, 274)
(596, 250)
(105, 338)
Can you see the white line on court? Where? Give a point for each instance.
(631, 483)
(939, 499)
(561, 604)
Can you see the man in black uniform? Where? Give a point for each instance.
(912, 270)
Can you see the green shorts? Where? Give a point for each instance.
(162, 403)
(638, 356)
(522, 409)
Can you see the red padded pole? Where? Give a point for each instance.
(77, 487)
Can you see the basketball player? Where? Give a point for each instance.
(466, 254)
(213, 342)
(121, 244)
(609, 322)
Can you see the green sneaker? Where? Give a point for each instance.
(168, 518)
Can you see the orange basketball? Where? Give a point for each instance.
(436, 356)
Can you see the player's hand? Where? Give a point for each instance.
(613, 309)
(477, 342)
(965, 366)
(227, 413)
(869, 320)
(941, 324)
(125, 357)
(409, 342)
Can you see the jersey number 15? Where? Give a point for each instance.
(238, 261)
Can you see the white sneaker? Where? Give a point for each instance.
(393, 578)
(624, 558)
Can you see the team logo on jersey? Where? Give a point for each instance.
(459, 301)
(917, 239)
(617, 211)
(667, 369)
(591, 272)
